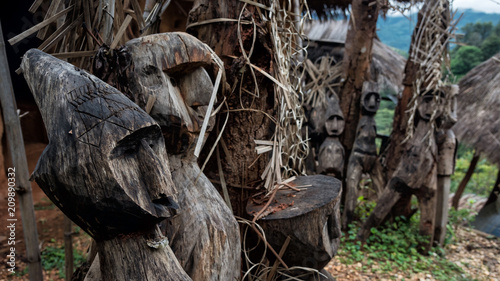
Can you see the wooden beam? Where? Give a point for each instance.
(19, 37)
(465, 180)
(15, 140)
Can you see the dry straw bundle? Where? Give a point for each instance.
(429, 53)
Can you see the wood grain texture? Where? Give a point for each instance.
(21, 174)
(364, 150)
(175, 69)
(113, 178)
(312, 220)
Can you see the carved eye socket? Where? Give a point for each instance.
(150, 69)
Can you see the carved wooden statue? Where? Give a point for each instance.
(105, 168)
(364, 150)
(171, 69)
(416, 173)
(447, 148)
(331, 153)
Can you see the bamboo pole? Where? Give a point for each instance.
(68, 248)
(16, 147)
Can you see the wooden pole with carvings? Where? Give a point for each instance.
(20, 166)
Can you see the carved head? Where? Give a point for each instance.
(370, 101)
(105, 165)
(334, 123)
(430, 103)
(171, 68)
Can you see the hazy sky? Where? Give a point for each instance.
(487, 6)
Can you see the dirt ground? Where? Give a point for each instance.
(475, 253)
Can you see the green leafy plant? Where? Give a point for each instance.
(53, 257)
(395, 246)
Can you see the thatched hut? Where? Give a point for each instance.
(479, 128)
(328, 37)
(478, 109)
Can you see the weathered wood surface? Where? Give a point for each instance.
(243, 126)
(170, 68)
(364, 150)
(465, 180)
(113, 179)
(356, 64)
(416, 174)
(447, 150)
(331, 155)
(311, 218)
(19, 171)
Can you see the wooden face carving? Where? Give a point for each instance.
(370, 101)
(182, 89)
(334, 123)
(431, 103)
(105, 165)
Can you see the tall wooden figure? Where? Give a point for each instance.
(364, 151)
(415, 174)
(331, 152)
(105, 168)
(447, 148)
(171, 69)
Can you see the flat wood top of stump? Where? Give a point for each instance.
(320, 191)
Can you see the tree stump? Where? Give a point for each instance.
(311, 218)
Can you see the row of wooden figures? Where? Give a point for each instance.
(120, 164)
(418, 172)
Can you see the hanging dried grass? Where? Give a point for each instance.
(260, 269)
(429, 52)
(288, 148)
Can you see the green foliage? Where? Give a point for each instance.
(396, 31)
(476, 33)
(465, 59)
(396, 246)
(490, 46)
(53, 257)
(384, 119)
(482, 180)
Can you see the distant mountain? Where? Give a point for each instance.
(396, 31)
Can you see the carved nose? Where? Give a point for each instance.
(158, 181)
(372, 102)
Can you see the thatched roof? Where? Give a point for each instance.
(325, 9)
(478, 109)
(329, 37)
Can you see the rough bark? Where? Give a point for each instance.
(241, 164)
(464, 181)
(356, 63)
(311, 218)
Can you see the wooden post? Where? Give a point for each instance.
(20, 166)
(465, 180)
(356, 64)
(68, 247)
